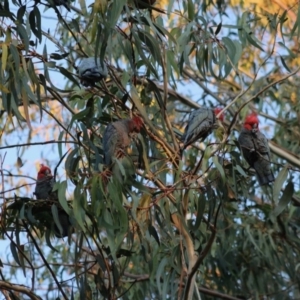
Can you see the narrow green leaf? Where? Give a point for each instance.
(4, 56)
(57, 56)
(16, 58)
(151, 43)
(153, 232)
(284, 200)
(38, 22)
(219, 27)
(253, 42)
(137, 101)
(24, 36)
(48, 241)
(220, 168)
(56, 217)
(21, 12)
(240, 170)
(25, 107)
(35, 23)
(279, 181)
(283, 18)
(284, 64)
(296, 25)
(114, 12)
(191, 9)
(238, 52)
(160, 273)
(252, 239)
(62, 187)
(68, 75)
(14, 252)
(291, 53)
(200, 211)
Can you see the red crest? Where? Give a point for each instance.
(251, 120)
(44, 172)
(138, 123)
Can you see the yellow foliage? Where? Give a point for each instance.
(271, 7)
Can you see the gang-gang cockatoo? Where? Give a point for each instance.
(256, 150)
(91, 70)
(43, 191)
(44, 183)
(201, 123)
(117, 137)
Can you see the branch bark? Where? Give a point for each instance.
(18, 288)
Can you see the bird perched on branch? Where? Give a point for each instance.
(117, 137)
(91, 70)
(201, 123)
(44, 183)
(255, 148)
(43, 191)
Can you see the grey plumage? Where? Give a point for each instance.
(201, 123)
(256, 151)
(43, 188)
(44, 183)
(43, 191)
(91, 71)
(117, 137)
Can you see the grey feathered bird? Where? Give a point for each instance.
(255, 148)
(117, 137)
(44, 183)
(201, 123)
(91, 70)
(43, 191)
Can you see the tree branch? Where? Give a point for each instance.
(145, 277)
(45, 262)
(39, 143)
(199, 260)
(18, 288)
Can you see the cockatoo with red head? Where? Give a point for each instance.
(44, 183)
(255, 148)
(43, 191)
(117, 137)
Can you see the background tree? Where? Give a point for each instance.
(154, 226)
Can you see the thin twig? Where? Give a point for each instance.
(38, 143)
(45, 262)
(19, 288)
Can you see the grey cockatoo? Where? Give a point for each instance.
(117, 137)
(44, 183)
(256, 150)
(201, 123)
(91, 70)
(43, 191)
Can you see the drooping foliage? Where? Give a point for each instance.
(153, 225)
